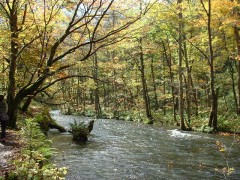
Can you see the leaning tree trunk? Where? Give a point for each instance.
(27, 104)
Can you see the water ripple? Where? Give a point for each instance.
(130, 150)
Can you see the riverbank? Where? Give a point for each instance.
(9, 151)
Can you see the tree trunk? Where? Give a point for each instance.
(27, 104)
(188, 84)
(237, 38)
(115, 101)
(96, 90)
(12, 105)
(144, 84)
(12, 112)
(78, 90)
(195, 95)
(164, 101)
(171, 76)
(213, 115)
(233, 87)
(180, 68)
(214, 101)
(154, 86)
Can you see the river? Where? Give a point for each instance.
(130, 150)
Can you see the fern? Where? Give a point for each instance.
(79, 130)
(34, 162)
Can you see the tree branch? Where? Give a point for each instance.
(8, 15)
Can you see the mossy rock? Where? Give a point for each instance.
(81, 130)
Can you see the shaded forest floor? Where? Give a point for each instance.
(9, 150)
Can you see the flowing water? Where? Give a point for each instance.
(130, 150)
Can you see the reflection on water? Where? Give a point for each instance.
(129, 150)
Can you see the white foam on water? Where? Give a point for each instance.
(180, 134)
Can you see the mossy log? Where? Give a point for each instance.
(54, 125)
(45, 120)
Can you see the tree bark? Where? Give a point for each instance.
(96, 90)
(171, 76)
(12, 104)
(156, 106)
(233, 87)
(180, 68)
(214, 101)
(27, 104)
(188, 84)
(237, 38)
(144, 84)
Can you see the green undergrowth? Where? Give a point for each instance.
(227, 122)
(35, 160)
(127, 115)
(131, 115)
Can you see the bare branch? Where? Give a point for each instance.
(204, 7)
(61, 79)
(28, 44)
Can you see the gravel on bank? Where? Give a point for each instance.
(9, 151)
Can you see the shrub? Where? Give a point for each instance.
(34, 162)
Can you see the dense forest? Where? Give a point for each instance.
(169, 61)
(163, 62)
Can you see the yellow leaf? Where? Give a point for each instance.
(222, 149)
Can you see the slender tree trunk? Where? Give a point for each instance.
(84, 96)
(171, 76)
(237, 38)
(144, 84)
(164, 101)
(154, 86)
(115, 96)
(63, 95)
(188, 84)
(96, 91)
(195, 95)
(78, 90)
(214, 93)
(233, 87)
(180, 68)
